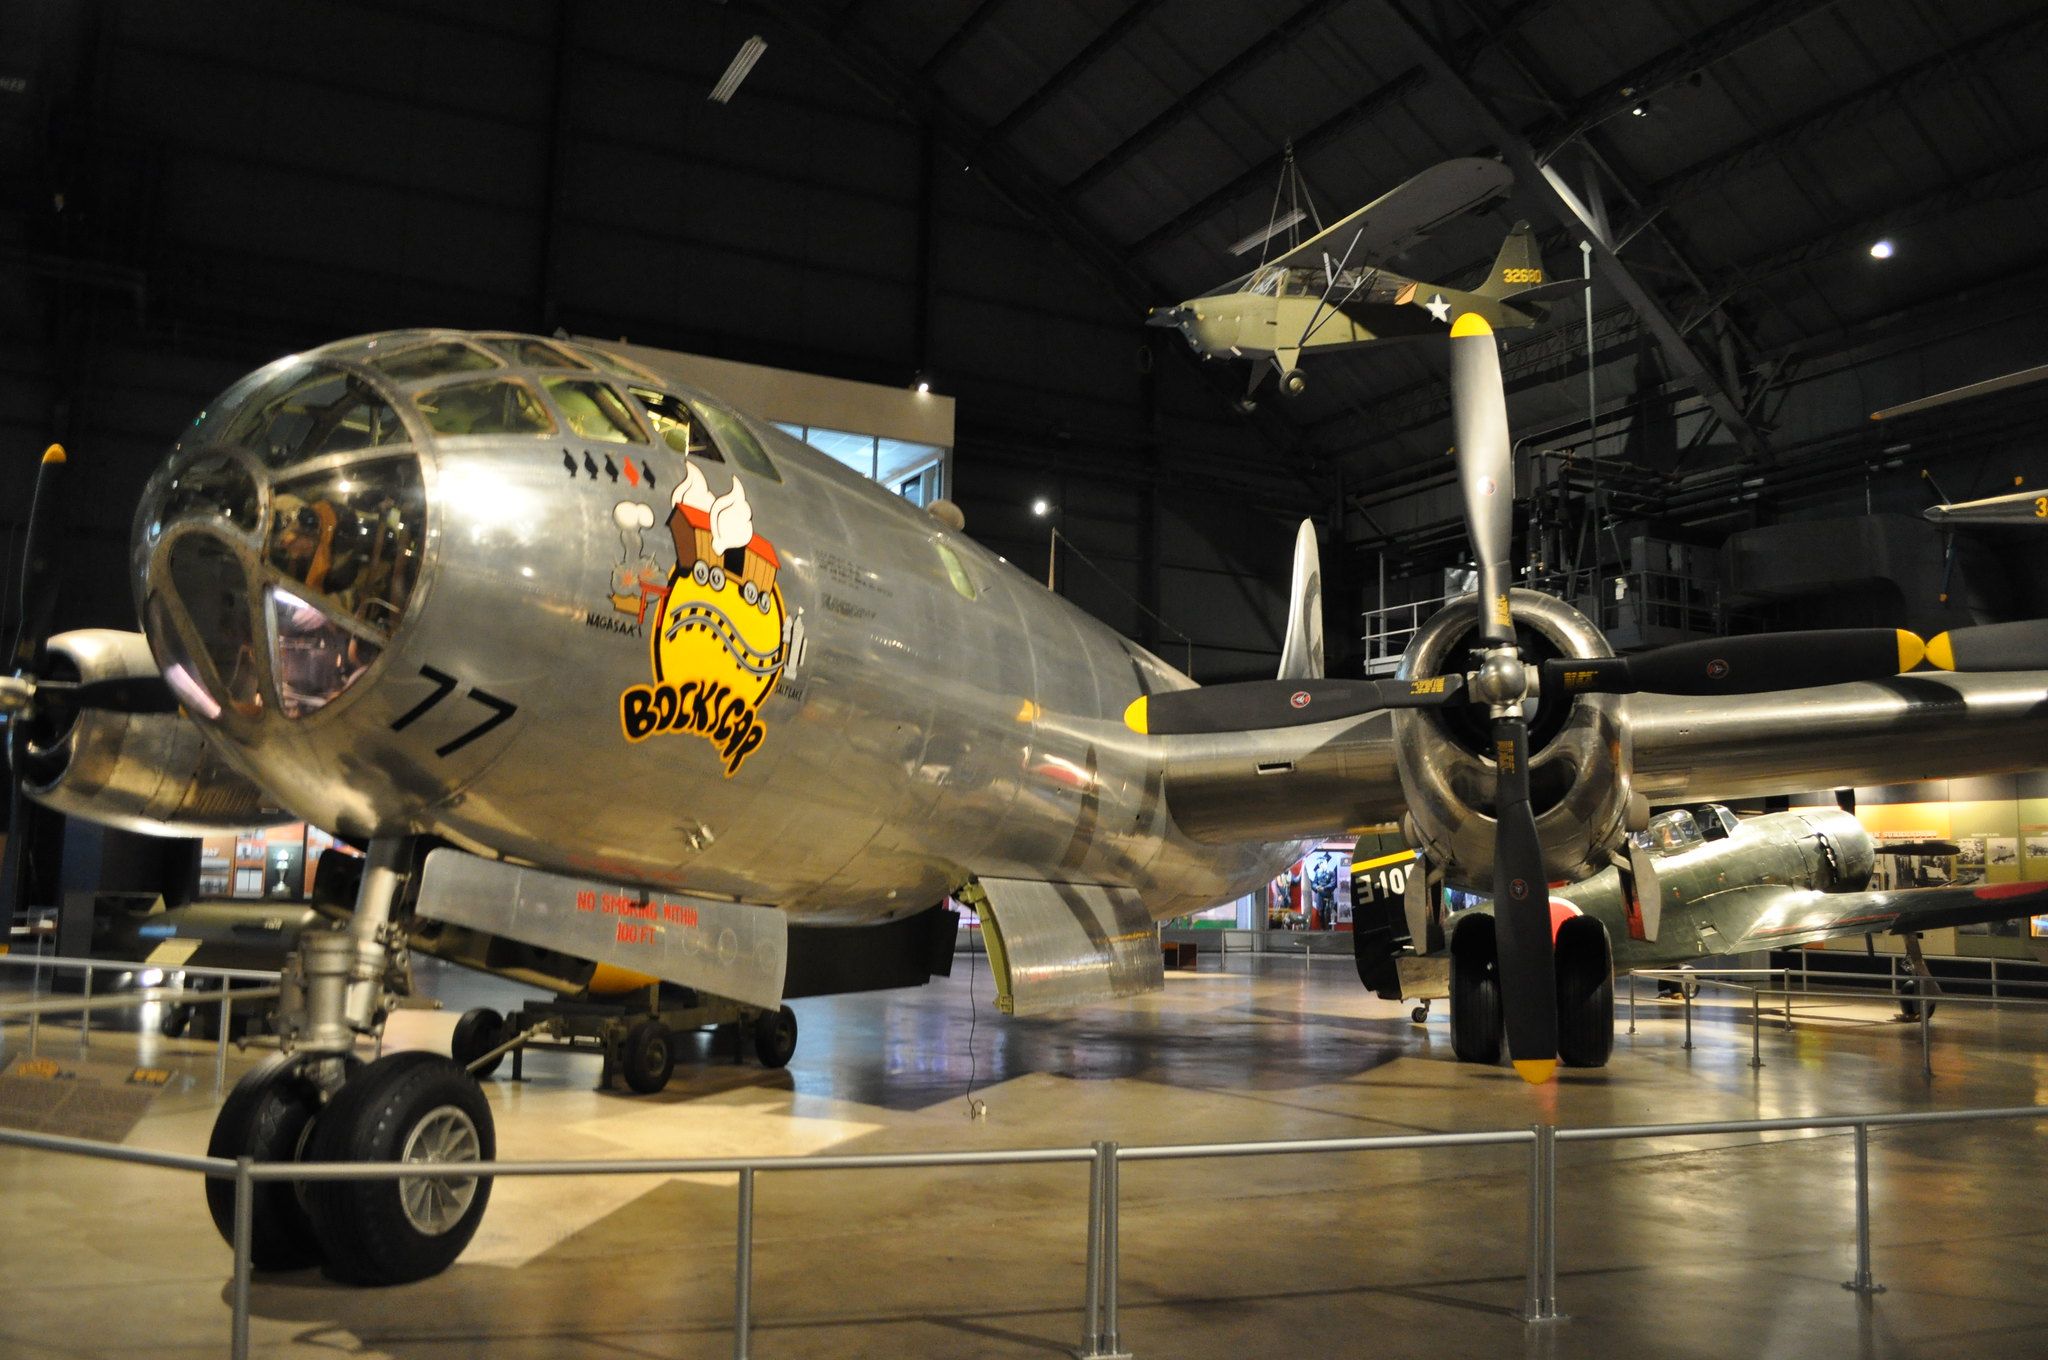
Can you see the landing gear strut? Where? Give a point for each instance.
(317, 1102)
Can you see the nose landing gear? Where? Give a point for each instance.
(318, 1102)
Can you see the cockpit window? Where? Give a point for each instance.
(732, 435)
(350, 538)
(531, 353)
(213, 484)
(306, 414)
(612, 363)
(437, 360)
(315, 657)
(956, 571)
(594, 411)
(1670, 832)
(489, 406)
(209, 583)
(676, 425)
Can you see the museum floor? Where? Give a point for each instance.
(1698, 1247)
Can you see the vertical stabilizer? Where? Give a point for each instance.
(1301, 654)
(1519, 265)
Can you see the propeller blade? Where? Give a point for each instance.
(1254, 705)
(38, 590)
(2019, 646)
(1756, 664)
(120, 694)
(1486, 468)
(1521, 912)
(1937, 848)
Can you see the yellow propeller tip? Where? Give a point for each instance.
(1135, 716)
(1535, 1071)
(54, 454)
(1912, 651)
(1940, 652)
(1470, 323)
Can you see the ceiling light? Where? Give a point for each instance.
(742, 62)
(1268, 232)
(1041, 506)
(1881, 249)
(1641, 110)
(923, 386)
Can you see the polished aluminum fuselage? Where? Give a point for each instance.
(918, 738)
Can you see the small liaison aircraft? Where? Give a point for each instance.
(619, 687)
(1331, 292)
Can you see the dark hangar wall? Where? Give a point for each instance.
(188, 191)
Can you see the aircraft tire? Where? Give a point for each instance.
(648, 1056)
(477, 1033)
(775, 1038)
(405, 1106)
(267, 1118)
(1476, 1020)
(1585, 993)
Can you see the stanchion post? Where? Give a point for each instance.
(1111, 1193)
(245, 1229)
(85, 1014)
(1631, 1003)
(1926, 1038)
(1863, 1283)
(1091, 1308)
(220, 1048)
(1756, 1029)
(1539, 1302)
(1686, 993)
(743, 1266)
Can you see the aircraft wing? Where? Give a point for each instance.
(1772, 916)
(1405, 213)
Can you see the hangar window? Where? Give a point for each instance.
(531, 353)
(437, 360)
(594, 411)
(492, 406)
(305, 414)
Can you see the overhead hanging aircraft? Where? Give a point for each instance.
(1333, 291)
(619, 686)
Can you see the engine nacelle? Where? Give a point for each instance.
(1578, 766)
(148, 772)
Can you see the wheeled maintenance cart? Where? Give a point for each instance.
(636, 1034)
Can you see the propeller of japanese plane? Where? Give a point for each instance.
(1504, 685)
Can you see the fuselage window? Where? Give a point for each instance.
(433, 361)
(732, 435)
(594, 411)
(327, 411)
(530, 353)
(956, 570)
(493, 406)
(675, 426)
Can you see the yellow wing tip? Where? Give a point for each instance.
(1135, 716)
(1470, 323)
(1941, 652)
(54, 454)
(1912, 651)
(1535, 1071)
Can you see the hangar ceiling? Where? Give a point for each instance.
(991, 192)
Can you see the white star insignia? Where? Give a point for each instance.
(1438, 308)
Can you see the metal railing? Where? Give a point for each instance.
(85, 1004)
(1924, 1003)
(1100, 1329)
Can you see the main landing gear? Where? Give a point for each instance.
(1585, 993)
(318, 1102)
